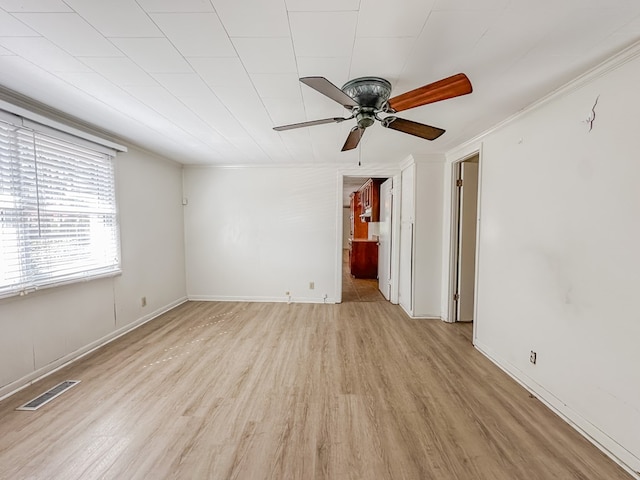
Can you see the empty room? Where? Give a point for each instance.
(295, 239)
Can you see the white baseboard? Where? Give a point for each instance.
(39, 374)
(220, 298)
(425, 316)
(597, 437)
(404, 309)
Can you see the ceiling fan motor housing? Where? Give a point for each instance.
(370, 92)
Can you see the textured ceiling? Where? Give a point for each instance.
(204, 82)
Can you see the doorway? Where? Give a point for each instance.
(379, 233)
(464, 239)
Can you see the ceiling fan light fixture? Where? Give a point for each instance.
(365, 119)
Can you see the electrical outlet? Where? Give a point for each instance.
(312, 285)
(533, 357)
(143, 302)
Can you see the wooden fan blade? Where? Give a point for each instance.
(353, 139)
(310, 124)
(434, 92)
(327, 88)
(412, 128)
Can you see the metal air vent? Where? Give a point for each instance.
(49, 395)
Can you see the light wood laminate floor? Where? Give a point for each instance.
(358, 289)
(301, 391)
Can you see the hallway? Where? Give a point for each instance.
(358, 289)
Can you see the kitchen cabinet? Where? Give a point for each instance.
(370, 198)
(363, 251)
(359, 228)
(363, 258)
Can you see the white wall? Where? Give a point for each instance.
(152, 234)
(428, 236)
(257, 233)
(45, 329)
(421, 236)
(559, 264)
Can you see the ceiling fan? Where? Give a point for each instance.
(368, 97)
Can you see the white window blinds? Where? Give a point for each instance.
(57, 211)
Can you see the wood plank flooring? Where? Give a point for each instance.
(300, 391)
(358, 289)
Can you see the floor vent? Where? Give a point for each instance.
(49, 395)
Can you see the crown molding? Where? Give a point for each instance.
(616, 61)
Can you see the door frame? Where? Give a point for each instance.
(377, 172)
(390, 247)
(453, 237)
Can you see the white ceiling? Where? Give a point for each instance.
(204, 82)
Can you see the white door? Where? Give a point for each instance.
(405, 277)
(468, 220)
(384, 243)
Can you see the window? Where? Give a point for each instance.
(57, 210)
